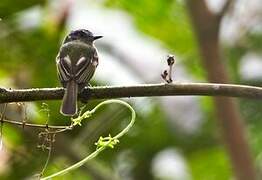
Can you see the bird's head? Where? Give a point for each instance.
(81, 35)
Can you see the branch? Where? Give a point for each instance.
(43, 126)
(207, 25)
(142, 90)
(228, 4)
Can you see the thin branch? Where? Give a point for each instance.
(43, 126)
(228, 4)
(142, 90)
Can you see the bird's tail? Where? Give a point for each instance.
(69, 103)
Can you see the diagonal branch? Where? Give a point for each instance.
(142, 90)
(228, 4)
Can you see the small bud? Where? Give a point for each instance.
(164, 74)
(170, 59)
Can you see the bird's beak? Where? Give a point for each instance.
(97, 37)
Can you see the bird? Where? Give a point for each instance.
(76, 63)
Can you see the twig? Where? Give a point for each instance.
(43, 126)
(48, 155)
(167, 74)
(2, 124)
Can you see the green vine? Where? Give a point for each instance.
(103, 142)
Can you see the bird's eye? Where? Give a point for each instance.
(82, 34)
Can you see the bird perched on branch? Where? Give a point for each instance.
(76, 64)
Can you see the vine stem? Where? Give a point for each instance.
(103, 147)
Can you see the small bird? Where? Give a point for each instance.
(76, 64)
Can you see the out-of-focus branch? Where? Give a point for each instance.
(142, 90)
(225, 9)
(207, 26)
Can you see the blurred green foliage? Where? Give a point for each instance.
(210, 164)
(8, 8)
(167, 21)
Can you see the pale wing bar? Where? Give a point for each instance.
(85, 71)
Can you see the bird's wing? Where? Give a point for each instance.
(84, 70)
(64, 69)
(81, 67)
